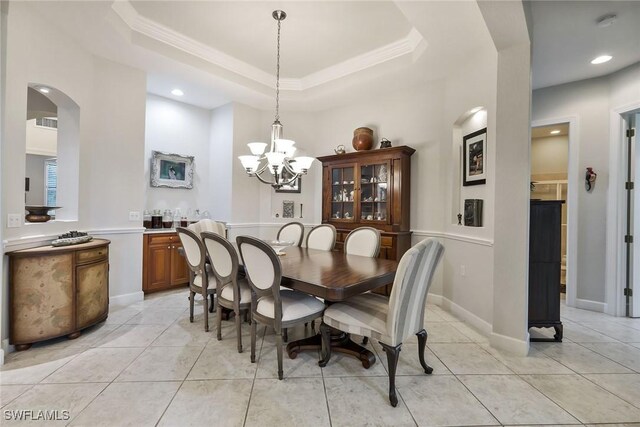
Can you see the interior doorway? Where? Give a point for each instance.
(550, 178)
(632, 257)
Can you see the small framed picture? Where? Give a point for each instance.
(294, 187)
(171, 170)
(474, 158)
(287, 208)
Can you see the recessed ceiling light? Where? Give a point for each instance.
(44, 89)
(177, 92)
(555, 132)
(475, 110)
(601, 59)
(606, 20)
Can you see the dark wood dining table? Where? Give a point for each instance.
(333, 276)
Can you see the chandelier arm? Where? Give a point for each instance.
(296, 176)
(261, 179)
(288, 167)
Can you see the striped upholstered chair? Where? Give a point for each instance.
(390, 320)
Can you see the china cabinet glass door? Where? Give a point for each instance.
(374, 192)
(343, 193)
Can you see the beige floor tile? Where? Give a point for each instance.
(583, 399)
(304, 365)
(535, 362)
(624, 354)
(132, 336)
(470, 332)
(345, 365)
(95, 365)
(583, 360)
(91, 336)
(442, 400)
(10, 392)
(32, 366)
(615, 330)
(157, 316)
(71, 398)
(206, 403)
(364, 401)
(578, 333)
(439, 332)
(625, 386)
(614, 425)
(220, 360)
(468, 359)
(290, 402)
(512, 400)
(120, 315)
(161, 364)
(181, 335)
(409, 363)
(128, 404)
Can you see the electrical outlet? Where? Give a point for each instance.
(134, 216)
(463, 270)
(14, 220)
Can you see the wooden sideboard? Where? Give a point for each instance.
(544, 266)
(57, 291)
(370, 188)
(162, 265)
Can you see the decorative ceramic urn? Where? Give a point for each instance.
(362, 139)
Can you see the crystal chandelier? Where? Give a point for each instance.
(283, 168)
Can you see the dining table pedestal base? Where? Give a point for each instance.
(340, 342)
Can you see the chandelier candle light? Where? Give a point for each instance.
(279, 161)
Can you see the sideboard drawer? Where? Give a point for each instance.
(386, 241)
(92, 254)
(162, 239)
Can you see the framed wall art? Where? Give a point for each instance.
(287, 208)
(474, 158)
(171, 170)
(294, 187)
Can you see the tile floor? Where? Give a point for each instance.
(147, 365)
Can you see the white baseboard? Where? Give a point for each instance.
(127, 299)
(6, 349)
(586, 304)
(1, 357)
(482, 325)
(499, 341)
(509, 344)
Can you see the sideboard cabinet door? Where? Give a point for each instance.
(92, 292)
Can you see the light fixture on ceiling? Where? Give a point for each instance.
(555, 132)
(601, 59)
(177, 92)
(283, 168)
(44, 89)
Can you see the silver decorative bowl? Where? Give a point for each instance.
(279, 245)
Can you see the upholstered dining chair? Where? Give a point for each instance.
(322, 237)
(363, 241)
(291, 232)
(211, 226)
(390, 320)
(233, 292)
(270, 305)
(201, 279)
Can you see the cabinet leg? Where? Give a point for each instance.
(74, 335)
(22, 347)
(558, 335)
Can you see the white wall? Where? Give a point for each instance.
(110, 144)
(549, 155)
(589, 101)
(221, 161)
(178, 128)
(35, 173)
(41, 141)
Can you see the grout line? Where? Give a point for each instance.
(255, 374)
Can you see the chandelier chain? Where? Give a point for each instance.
(278, 76)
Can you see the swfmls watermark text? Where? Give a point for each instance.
(36, 415)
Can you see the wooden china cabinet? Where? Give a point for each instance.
(370, 188)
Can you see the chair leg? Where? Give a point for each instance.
(191, 297)
(422, 343)
(253, 340)
(206, 312)
(313, 326)
(325, 333)
(238, 329)
(219, 322)
(279, 350)
(365, 340)
(393, 354)
(285, 334)
(212, 306)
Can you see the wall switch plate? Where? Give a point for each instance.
(14, 220)
(134, 216)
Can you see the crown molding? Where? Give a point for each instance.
(170, 37)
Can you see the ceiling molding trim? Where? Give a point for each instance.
(163, 34)
(366, 60)
(159, 32)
